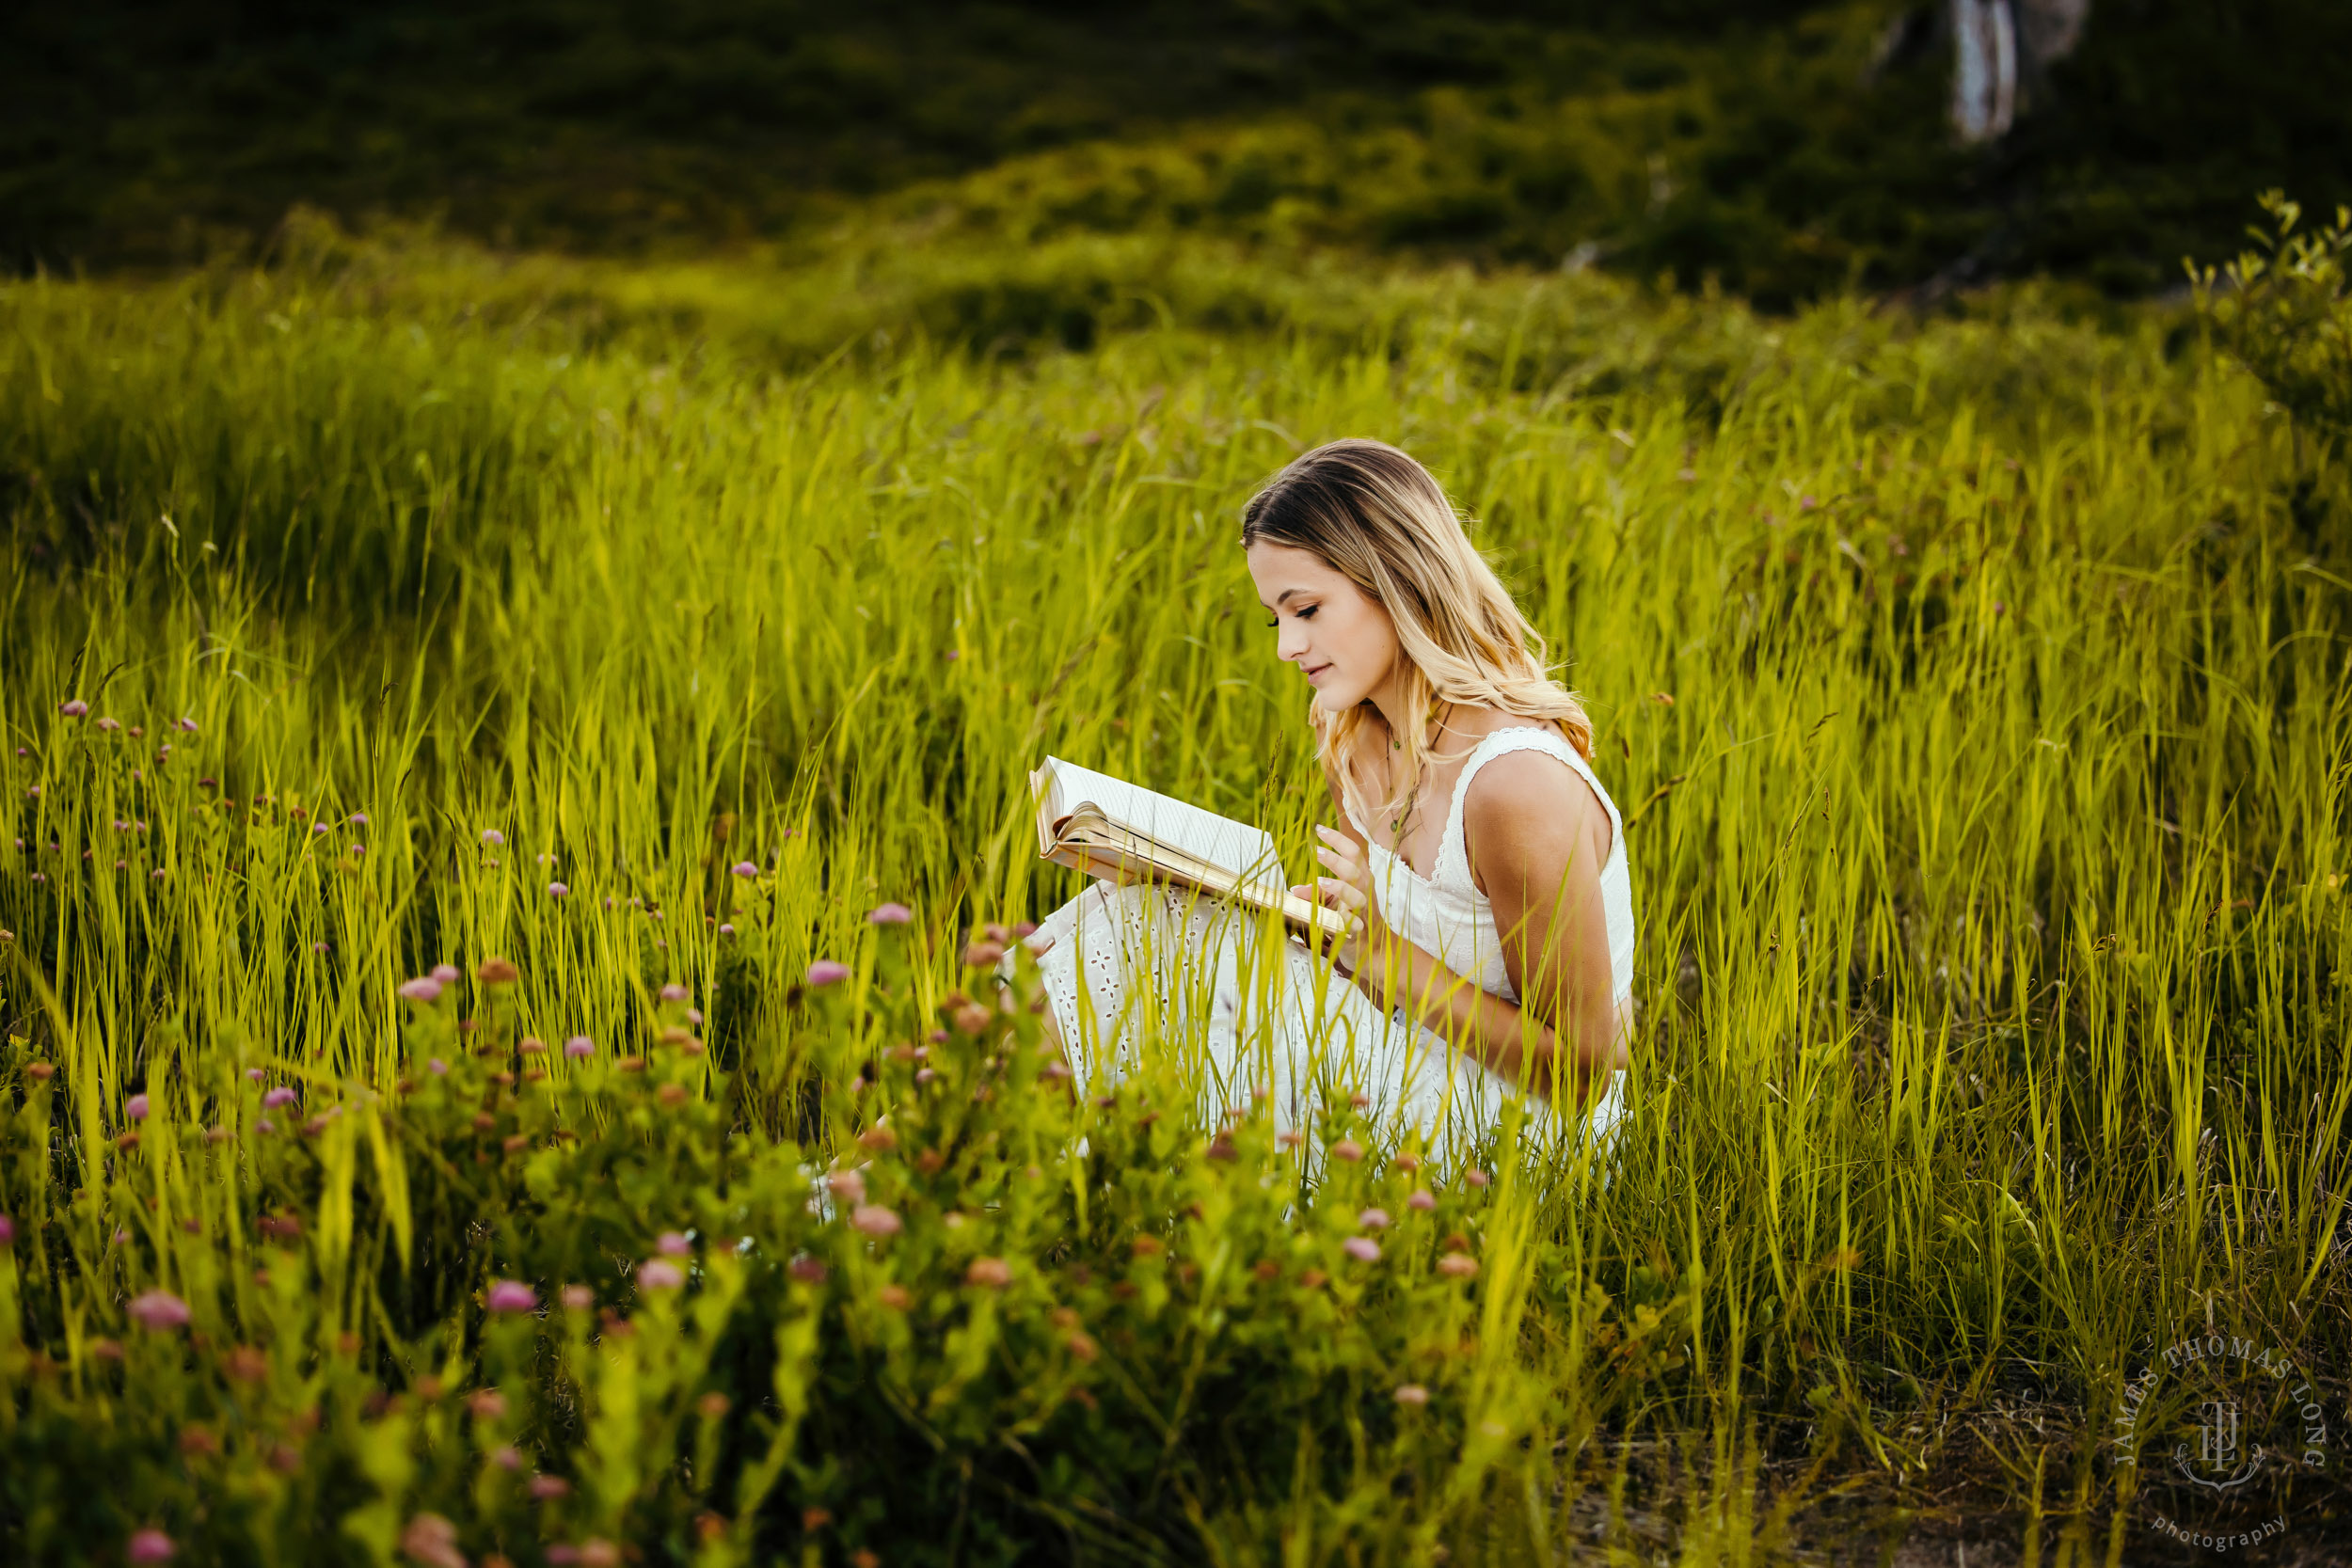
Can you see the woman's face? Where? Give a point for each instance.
(1336, 633)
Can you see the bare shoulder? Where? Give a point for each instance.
(1528, 805)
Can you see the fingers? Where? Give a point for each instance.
(1321, 890)
(1343, 860)
(1342, 895)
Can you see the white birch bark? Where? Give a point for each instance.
(1984, 69)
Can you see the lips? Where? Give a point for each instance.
(1317, 671)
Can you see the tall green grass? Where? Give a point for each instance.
(1976, 692)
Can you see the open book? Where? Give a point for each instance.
(1119, 831)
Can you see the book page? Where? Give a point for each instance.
(1245, 851)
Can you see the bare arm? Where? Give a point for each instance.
(1536, 836)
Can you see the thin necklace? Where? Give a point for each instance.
(1396, 824)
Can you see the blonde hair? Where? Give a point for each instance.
(1379, 519)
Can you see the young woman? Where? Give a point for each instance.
(1486, 865)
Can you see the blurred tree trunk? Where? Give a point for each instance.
(2001, 47)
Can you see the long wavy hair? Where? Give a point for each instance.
(1379, 518)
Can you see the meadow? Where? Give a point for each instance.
(511, 762)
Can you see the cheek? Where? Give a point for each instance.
(1369, 639)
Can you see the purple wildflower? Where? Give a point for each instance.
(318, 828)
(875, 1220)
(671, 1244)
(511, 1296)
(438, 1068)
(1373, 1219)
(109, 724)
(422, 988)
(1421, 1199)
(579, 1045)
(74, 708)
(7, 1232)
(890, 914)
(657, 1274)
(150, 1545)
(492, 838)
(825, 972)
(745, 868)
(358, 819)
(136, 1107)
(431, 1542)
(278, 1096)
(1362, 1248)
(557, 890)
(159, 1310)
(449, 975)
(188, 724)
(674, 992)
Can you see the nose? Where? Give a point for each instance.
(1291, 643)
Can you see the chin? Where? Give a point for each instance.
(1337, 698)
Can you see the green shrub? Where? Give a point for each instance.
(2287, 315)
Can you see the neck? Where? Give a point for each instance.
(1389, 699)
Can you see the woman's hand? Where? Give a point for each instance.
(1361, 956)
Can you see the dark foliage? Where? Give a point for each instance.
(1797, 152)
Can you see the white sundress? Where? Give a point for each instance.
(1295, 1028)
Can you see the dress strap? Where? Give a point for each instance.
(1452, 852)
